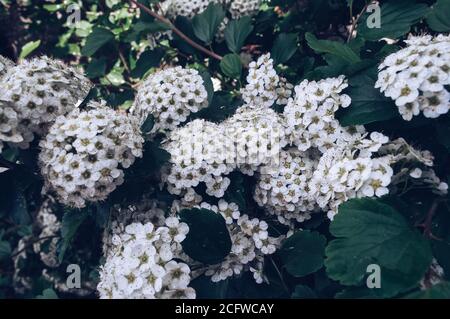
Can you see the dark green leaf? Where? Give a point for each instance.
(19, 210)
(303, 253)
(368, 104)
(206, 289)
(284, 47)
(147, 60)
(150, 27)
(98, 38)
(443, 132)
(71, 221)
(96, 68)
(207, 82)
(236, 32)
(5, 249)
(396, 20)
(439, 17)
(208, 240)
(332, 47)
(303, 292)
(370, 232)
(48, 294)
(206, 23)
(439, 291)
(231, 66)
(148, 124)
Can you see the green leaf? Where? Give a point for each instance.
(5, 249)
(206, 24)
(284, 47)
(71, 221)
(48, 294)
(207, 83)
(370, 232)
(28, 48)
(303, 292)
(206, 289)
(231, 66)
(438, 291)
(115, 76)
(19, 210)
(236, 32)
(443, 132)
(332, 47)
(208, 240)
(303, 253)
(396, 20)
(96, 39)
(368, 104)
(148, 124)
(150, 27)
(439, 17)
(96, 68)
(147, 60)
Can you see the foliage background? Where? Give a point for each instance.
(308, 40)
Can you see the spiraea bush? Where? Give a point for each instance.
(225, 149)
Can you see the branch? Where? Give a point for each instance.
(31, 244)
(356, 20)
(176, 30)
(427, 225)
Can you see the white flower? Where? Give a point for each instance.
(142, 266)
(170, 95)
(38, 91)
(80, 167)
(416, 77)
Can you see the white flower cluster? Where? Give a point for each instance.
(416, 77)
(257, 136)
(310, 114)
(142, 263)
(433, 276)
(50, 228)
(199, 153)
(240, 8)
(307, 182)
(415, 168)
(170, 96)
(202, 151)
(351, 171)
(327, 164)
(34, 93)
(9, 125)
(5, 64)
(83, 155)
(284, 189)
(262, 83)
(189, 8)
(250, 243)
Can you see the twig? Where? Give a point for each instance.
(177, 31)
(279, 275)
(30, 244)
(427, 225)
(124, 61)
(356, 20)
